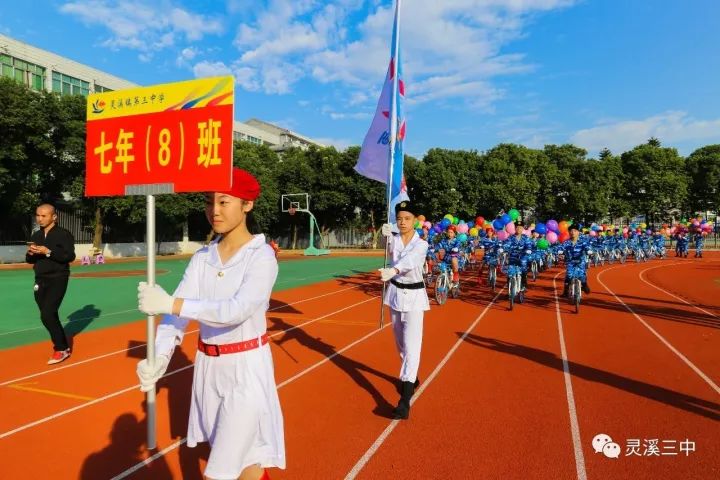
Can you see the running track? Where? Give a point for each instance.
(504, 395)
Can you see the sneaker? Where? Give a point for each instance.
(59, 356)
(586, 289)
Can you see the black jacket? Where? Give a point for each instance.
(62, 248)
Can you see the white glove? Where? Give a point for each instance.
(386, 230)
(154, 300)
(387, 273)
(150, 375)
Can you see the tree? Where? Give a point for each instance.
(654, 179)
(703, 170)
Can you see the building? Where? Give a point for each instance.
(43, 70)
(280, 138)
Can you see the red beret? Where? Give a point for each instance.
(244, 185)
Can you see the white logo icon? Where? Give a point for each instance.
(611, 450)
(599, 442)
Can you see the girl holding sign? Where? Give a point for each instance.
(226, 287)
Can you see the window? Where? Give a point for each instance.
(101, 89)
(67, 85)
(22, 72)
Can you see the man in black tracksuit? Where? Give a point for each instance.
(50, 250)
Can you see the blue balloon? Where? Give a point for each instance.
(541, 228)
(505, 219)
(420, 231)
(498, 224)
(471, 224)
(445, 223)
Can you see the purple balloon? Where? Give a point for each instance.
(552, 225)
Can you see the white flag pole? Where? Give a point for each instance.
(393, 136)
(150, 234)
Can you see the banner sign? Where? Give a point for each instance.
(178, 136)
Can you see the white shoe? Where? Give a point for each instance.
(59, 356)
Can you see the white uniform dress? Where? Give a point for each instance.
(234, 403)
(407, 307)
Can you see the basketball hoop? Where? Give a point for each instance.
(291, 210)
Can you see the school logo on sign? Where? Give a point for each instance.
(98, 106)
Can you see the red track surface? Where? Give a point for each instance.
(494, 402)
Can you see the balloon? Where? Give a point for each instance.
(541, 228)
(527, 232)
(449, 217)
(420, 231)
(510, 228)
(625, 230)
(552, 237)
(417, 225)
(462, 228)
(505, 219)
(479, 221)
(428, 224)
(564, 236)
(473, 232)
(502, 235)
(437, 229)
(445, 223)
(455, 220)
(514, 214)
(563, 226)
(643, 226)
(471, 224)
(648, 231)
(593, 233)
(498, 224)
(462, 237)
(421, 218)
(542, 244)
(552, 225)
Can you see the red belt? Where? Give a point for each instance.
(217, 350)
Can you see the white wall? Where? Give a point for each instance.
(16, 253)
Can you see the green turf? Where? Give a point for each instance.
(93, 303)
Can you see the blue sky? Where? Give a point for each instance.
(597, 73)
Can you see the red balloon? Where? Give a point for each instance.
(479, 221)
(564, 236)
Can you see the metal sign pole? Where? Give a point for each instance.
(151, 437)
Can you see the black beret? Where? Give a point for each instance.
(405, 206)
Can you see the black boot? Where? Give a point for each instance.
(398, 387)
(402, 411)
(565, 290)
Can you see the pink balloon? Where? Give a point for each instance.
(551, 237)
(463, 228)
(510, 228)
(593, 233)
(527, 232)
(625, 230)
(502, 235)
(672, 230)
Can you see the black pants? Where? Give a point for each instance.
(48, 296)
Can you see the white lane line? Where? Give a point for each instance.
(670, 294)
(82, 405)
(389, 429)
(572, 411)
(69, 322)
(87, 404)
(312, 367)
(682, 357)
(75, 364)
(135, 310)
